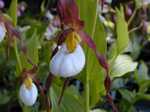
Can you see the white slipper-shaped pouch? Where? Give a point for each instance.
(67, 64)
(28, 95)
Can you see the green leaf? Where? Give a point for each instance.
(26, 109)
(122, 65)
(142, 96)
(122, 31)
(98, 110)
(112, 54)
(143, 72)
(93, 69)
(71, 102)
(142, 78)
(100, 37)
(96, 86)
(117, 83)
(127, 95)
(13, 14)
(138, 3)
(4, 97)
(32, 51)
(143, 86)
(42, 6)
(88, 13)
(33, 46)
(134, 47)
(94, 75)
(13, 11)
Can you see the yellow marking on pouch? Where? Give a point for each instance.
(71, 41)
(28, 82)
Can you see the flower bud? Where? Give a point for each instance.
(51, 32)
(128, 11)
(2, 31)
(49, 15)
(2, 4)
(107, 23)
(66, 64)
(28, 92)
(146, 27)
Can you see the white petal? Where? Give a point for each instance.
(67, 68)
(56, 63)
(79, 62)
(2, 32)
(28, 96)
(67, 64)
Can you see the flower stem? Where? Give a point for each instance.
(26, 109)
(132, 17)
(13, 14)
(17, 55)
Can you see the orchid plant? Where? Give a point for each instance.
(65, 63)
(68, 58)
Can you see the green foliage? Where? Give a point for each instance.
(13, 11)
(4, 97)
(122, 31)
(123, 69)
(33, 46)
(93, 68)
(98, 110)
(32, 51)
(71, 102)
(125, 65)
(93, 26)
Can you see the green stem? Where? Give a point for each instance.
(26, 109)
(94, 23)
(87, 90)
(87, 93)
(132, 17)
(17, 55)
(13, 14)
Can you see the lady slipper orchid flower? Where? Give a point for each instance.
(69, 60)
(2, 31)
(28, 92)
(62, 63)
(68, 64)
(69, 16)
